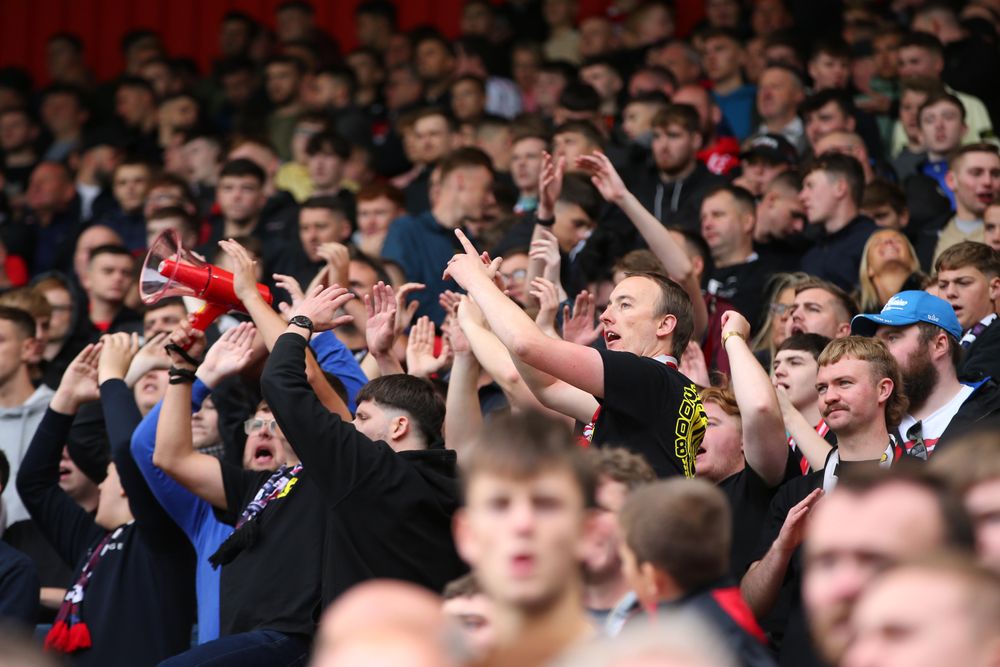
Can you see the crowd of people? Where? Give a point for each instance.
(567, 341)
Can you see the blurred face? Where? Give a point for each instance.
(795, 371)
(62, 313)
(514, 271)
(266, 447)
(241, 198)
(201, 159)
(603, 79)
(559, 12)
(721, 452)
(473, 190)
(970, 293)
(401, 89)
(49, 190)
(548, 88)
(474, 616)
(362, 278)
(884, 47)
(523, 538)
(326, 169)
(71, 478)
(849, 541)
(976, 182)
(524, 68)
(828, 118)
(130, 186)
(909, 108)
(572, 225)
(238, 87)
(991, 227)
(828, 71)
(780, 212)
(134, 105)
(722, 59)
(318, 226)
(179, 112)
(820, 196)
(942, 127)
(648, 82)
(109, 277)
(15, 350)
(778, 95)
(164, 319)
(597, 36)
(850, 399)
(982, 502)
(156, 227)
(781, 308)
(468, 101)
(816, 311)
(630, 320)
(674, 148)
(526, 163)
(602, 561)
(886, 216)
(205, 425)
(162, 196)
(725, 228)
(571, 145)
(433, 138)
(637, 120)
(375, 215)
(433, 61)
(759, 171)
(916, 61)
(91, 238)
(282, 83)
(656, 23)
(887, 634)
(676, 58)
(149, 390)
(380, 422)
(61, 114)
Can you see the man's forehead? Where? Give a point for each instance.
(794, 354)
(843, 367)
(814, 295)
(633, 287)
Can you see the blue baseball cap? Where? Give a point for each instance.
(908, 308)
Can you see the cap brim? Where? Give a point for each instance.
(868, 324)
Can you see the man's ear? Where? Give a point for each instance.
(667, 325)
(399, 427)
(885, 387)
(994, 288)
(949, 180)
(28, 348)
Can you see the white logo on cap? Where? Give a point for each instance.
(895, 303)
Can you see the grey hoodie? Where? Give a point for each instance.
(17, 428)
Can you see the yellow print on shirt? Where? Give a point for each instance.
(288, 487)
(691, 425)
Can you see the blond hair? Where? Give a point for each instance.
(883, 366)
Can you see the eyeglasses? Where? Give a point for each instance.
(781, 309)
(250, 426)
(517, 274)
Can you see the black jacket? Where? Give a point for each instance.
(982, 358)
(981, 406)
(389, 514)
(837, 257)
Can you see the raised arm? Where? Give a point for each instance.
(175, 453)
(673, 257)
(463, 417)
(813, 446)
(576, 365)
(122, 416)
(67, 526)
(382, 310)
(764, 444)
(525, 387)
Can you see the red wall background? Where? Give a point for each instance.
(189, 27)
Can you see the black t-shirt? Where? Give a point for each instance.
(275, 585)
(651, 409)
(750, 499)
(743, 285)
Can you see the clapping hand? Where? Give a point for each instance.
(548, 300)
(116, 356)
(229, 355)
(380, 331)
(320, 305)
(579, 327)
(420, 359)
(550, 180)
(79, 381)
(604, 176)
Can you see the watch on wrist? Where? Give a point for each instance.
(302, 321)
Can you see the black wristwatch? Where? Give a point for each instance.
(302, 321)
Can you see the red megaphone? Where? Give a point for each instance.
(172, 270)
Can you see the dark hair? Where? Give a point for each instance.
(584, 127)
(928, 332)
(333, 204)
(653, 97)
(374, 263)
(327, 143)
(171, 180)
(133, 37)
(462, 158)
(477, 81)
(979, 147)
(841, 166)
(673, 300)
(110, 249)
(343, 74)
(832, 46)
(413, 395)
(561, 67)
(820, 99)
(684, 115)
(380, 8)
(937, 98)
(190, 224)
(883, 193)
(577, 189)
(136, 82)
(621, 465)
(921, 40)
(296, 5)
(168, 302)
(70, 38)
(969, 253)
(66, 89)
(694, 243)
(681, 527)
(22, 320)
(525, 445)
(4, 471)
(579, 97)
(720, 32)
(243, 167)
(285, 59)
(812, 343)
(432, 35)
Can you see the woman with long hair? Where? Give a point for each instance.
(780, 291)
(889, 265)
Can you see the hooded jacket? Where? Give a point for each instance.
(17, 428)
(388, 513)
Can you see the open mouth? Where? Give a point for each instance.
(797, 329)
(263, 455)
(64, 472)
(610, 337)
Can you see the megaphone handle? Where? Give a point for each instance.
(206, 315)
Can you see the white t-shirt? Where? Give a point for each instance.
(934, 425)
